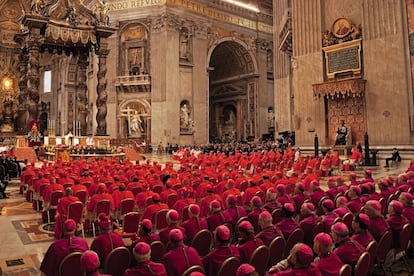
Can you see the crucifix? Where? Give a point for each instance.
(128, 113)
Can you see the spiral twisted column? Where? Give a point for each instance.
(82, 99)
(102, 97)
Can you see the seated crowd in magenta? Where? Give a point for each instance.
(245, 202)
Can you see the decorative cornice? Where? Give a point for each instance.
(166, 21)
(354, 88)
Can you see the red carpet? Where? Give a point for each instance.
(132, 154)
(25, 153)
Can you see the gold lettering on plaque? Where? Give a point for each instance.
(195, 7)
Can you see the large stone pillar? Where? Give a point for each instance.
(82, 99)
(21, 120)
(102, 97)
(200, 84)
(165, 78)
(33, 44)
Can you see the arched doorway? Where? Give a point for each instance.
(233, 92)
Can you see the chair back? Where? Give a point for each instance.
(362, 266)
(372, 250)
(194, 268)
(202, 242)
(71, 265)
(54, 197)
(405, 237)
(184, 214)
(157, 251)
(117, 261)
(136, 190)
(259, 259)
(75, 211)
(148, 201)
(276, 215)
(171, 199)
(161, 219)
(384, 246)
(276, 250)
(82, 195)
(318, 228)
(295, 237)
(67, 185)
(229, 267)
(346, 270)
(157, 189)
(131, 223)
(103, 206)
(127, 205)
(347, 219)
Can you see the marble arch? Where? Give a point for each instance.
(232, 83)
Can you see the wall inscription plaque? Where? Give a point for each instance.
(343, 58)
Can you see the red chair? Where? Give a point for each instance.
(67, 185)
(157, 251)
(259, 259)
(157, 189)
(54, 199)
(75, 212)
(346, 270)
(39, 196)
(202, 242)
(372, 250)
(117, 261)
(161, 219)
(184, 214)
(384, 246)
(405, 237)
(295, 237)
(362, 266)
(71, 265)
(126, 206)
(130, 225)
(229, 267)
(102, 206)
(194, 268)
(347, 219)
(276, 250)
(82, 195)
(171, 199)
(276, 215)
(137, 190)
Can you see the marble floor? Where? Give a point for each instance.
(22, 250)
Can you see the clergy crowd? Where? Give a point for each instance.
(246, 200)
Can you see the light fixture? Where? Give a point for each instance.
(243, 5)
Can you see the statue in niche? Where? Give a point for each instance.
(270, 117)
(136, 128)
(186, 123)
(135, 56)
(185, 45)
(231, 119)
(269, 59)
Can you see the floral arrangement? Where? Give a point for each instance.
(88, 149)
